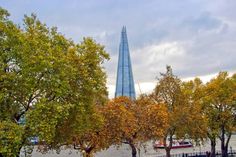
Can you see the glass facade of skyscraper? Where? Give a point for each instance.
(124, 80)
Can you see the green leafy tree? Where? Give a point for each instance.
(46, 79)
(220, 109)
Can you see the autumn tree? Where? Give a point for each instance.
(181, 101)
(45, 79)
(133, 122)
(220, 107)
(121, 122)
(168, 92)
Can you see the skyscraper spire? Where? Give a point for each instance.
(124, 80)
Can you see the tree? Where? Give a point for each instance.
(220, 107)
(41, 71)
(182, 102)
(168, 92)
(134, 122)
(121, 122)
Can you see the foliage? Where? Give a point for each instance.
(44, 77)
(182, 101)
(134, 122)
(94, 138)
(10, 138)
(220, 107)
(120, 120)
(220, 99)
(47, 127)
(196, 123)
(152, 118)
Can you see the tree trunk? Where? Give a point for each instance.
(169, 146)
(227, 144)
(213, 147)
(167, 152)
(224, 145)
(133, 148)
(87, 154)
(225, 152)
(222, 138)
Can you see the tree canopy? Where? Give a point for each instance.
(220, 109)
(45, 80)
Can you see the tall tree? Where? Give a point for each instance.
(171, 92)
(221, 108)
(41, 71)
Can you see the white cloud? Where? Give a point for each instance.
(159, 52)
(153, 58)
(148, 87)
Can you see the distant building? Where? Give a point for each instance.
(124, 80)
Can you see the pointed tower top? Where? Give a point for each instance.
(123, 29)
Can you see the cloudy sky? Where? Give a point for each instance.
(195, 37)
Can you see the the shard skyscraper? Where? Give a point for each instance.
(124, 80)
